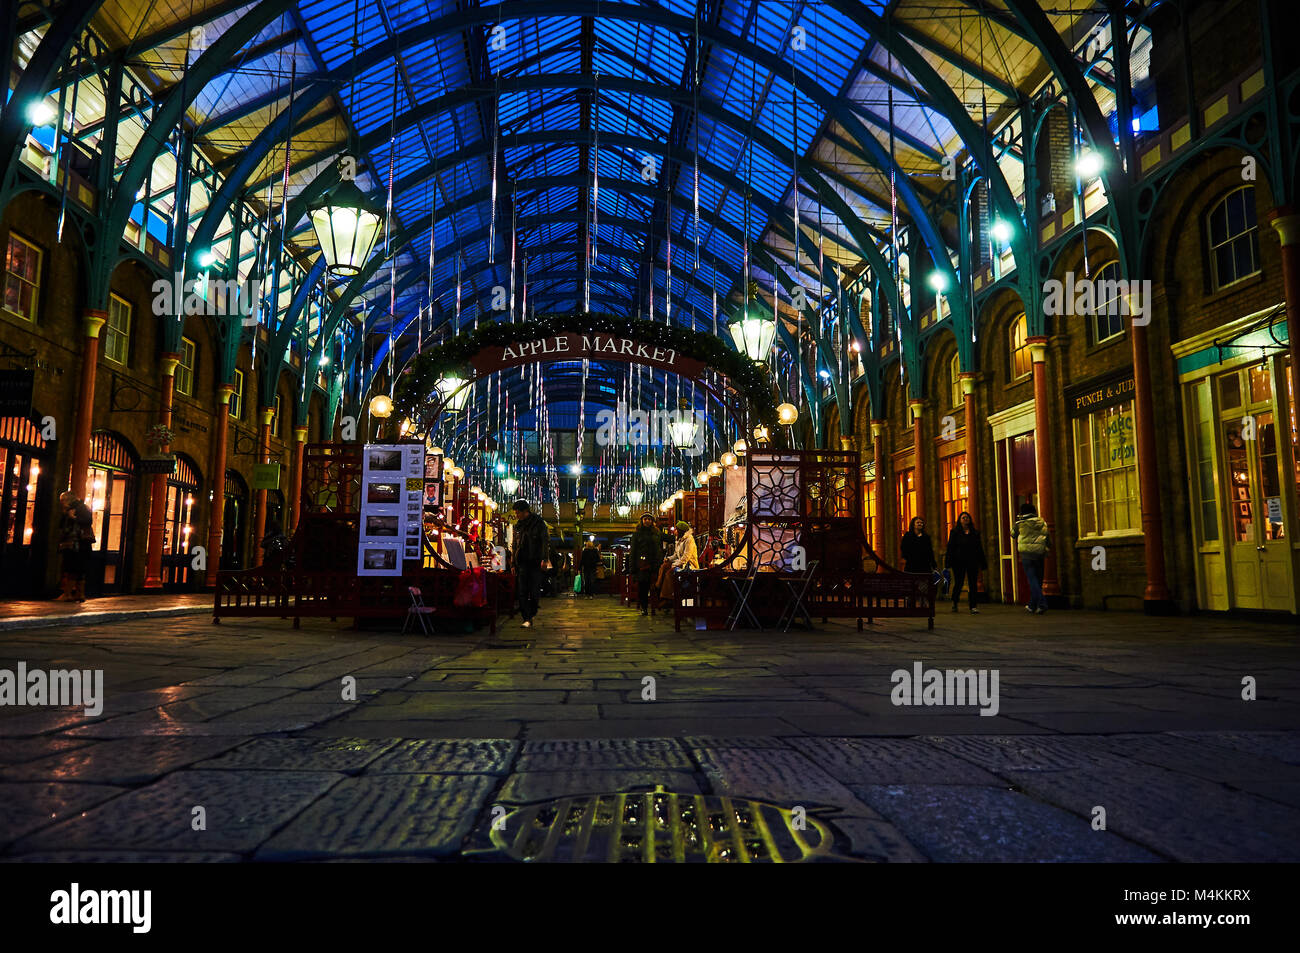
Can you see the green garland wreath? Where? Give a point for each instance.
(418, 379)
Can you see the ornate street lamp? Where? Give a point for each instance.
(510, 484)
(624, 509)
(347, 225)
(454, 392)
(650, 474)
(754, 330)
(635, 496)
(682, 431)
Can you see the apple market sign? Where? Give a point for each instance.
(577, 347)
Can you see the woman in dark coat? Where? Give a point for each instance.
(644, 557)
(76, 537)
(965, 557)
(916, 548)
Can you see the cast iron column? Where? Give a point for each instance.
(1043, 459)
(86, 403)
(158, 498)
(217, 506)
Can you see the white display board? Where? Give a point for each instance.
(392, 501)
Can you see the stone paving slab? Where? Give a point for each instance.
(983, 825)
(156, 723)
(1282, 745)
(448, 730)
(542, 785)
(343, 755)
(888, 761)
(38, 721)
(446, 757)
(127, 761)
(244, 808)
(1188, 819)
(387, 814)
(31, 805)
(122, 857)
(875, 840)
(21, 750)
(604, 754)
(784, 777)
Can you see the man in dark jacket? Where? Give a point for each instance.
(644, 557)
(530, 551)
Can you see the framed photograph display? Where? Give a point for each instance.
(392, 504)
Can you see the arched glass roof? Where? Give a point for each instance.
(620, 135)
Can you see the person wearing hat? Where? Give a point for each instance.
(685, 556)
(530, 550)
(644, 557)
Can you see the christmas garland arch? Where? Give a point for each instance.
(417, 381)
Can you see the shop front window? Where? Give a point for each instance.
(906, 499)
(1106, 453)
(952, 484)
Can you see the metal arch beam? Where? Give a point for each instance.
(1063, 66)
(210, 63)
(35, 80)
(977, 142)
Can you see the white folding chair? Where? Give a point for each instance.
(419, 610)
(798, 587)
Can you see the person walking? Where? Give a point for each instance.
(76, 537)
(530, 552)
(1030, 536)
(916, 548)
(590, 560)
(644, 557)
(965, 557)
(685, 555)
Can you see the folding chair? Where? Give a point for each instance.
(798, 587)
(419, 610)
(743, 588)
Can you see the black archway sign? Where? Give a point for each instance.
(573, 337)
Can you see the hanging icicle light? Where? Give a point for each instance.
(635, 496)
(346, 224)
(754, 329)
(454, 392)
(650, 474)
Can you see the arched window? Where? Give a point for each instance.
(1107, 321)
(955, 397)
(1234, 237)
(1022, 363)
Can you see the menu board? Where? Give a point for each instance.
(392, 495)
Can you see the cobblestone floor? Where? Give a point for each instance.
(1141, 717)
